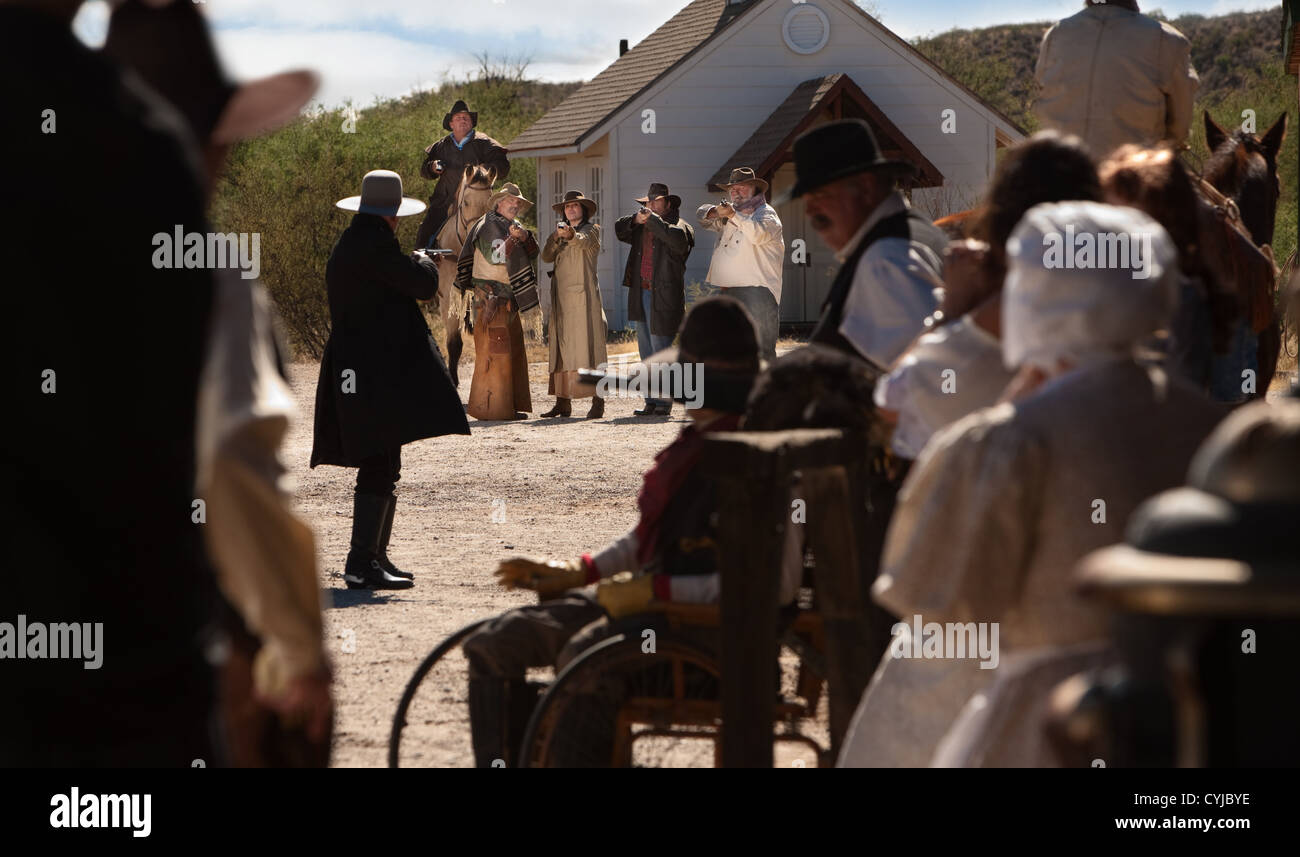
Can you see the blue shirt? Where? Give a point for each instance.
(460, 144)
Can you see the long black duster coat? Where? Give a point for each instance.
(481, 149)
(400, 389)
(673, 240)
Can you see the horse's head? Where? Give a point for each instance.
(1243, 166)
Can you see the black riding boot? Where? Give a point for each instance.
(498, 716)
(384, 535)
(363, 570)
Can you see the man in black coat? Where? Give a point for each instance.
(463, 147)
(655, 276)
(102, 528)
(382, 381)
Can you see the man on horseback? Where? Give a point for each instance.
(1111, 76)
(463, 147)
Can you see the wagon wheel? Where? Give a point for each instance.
(616, 705)
(451, 705)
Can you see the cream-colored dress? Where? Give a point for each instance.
(989, 525)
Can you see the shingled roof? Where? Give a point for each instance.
(572, 119)
(769, 146)
(583, 112)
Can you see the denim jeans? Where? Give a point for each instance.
(647, 342)
(761, 304)
(1227, 370)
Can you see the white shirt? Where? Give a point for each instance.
(750, 251)
(950, 372)
(893, 289)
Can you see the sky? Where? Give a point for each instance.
(369, 49)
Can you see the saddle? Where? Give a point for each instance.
(1245, 270)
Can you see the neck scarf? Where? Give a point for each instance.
(751, 205)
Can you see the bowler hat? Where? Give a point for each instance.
(588, 205)
(381, 193)
(659, 190)
(171, 48)
(833, 151)
(460, 107)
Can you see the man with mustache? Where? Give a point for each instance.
(892, 256)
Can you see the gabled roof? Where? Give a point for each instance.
(769, 146)
(576, 118)
(572, 119)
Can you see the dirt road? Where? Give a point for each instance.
(562, 487)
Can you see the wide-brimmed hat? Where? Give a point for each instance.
(835, 150)
(460, 107)
(508, 189)
(381, 193)
(1227, 543)
(658, 190)
(588, 205)
(170, 47)
(720, 334)
(744, 175)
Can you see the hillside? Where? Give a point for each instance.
(1237, 56)
(285, 185)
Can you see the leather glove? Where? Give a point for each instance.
(623, 594)
(546, 578)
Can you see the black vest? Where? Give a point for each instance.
(907, 225)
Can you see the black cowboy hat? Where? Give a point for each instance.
(588, 205)
(659, 190)
(833, 151)
(460, 107)
(171, 48)
(720, 335)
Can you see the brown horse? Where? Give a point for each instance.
(1243, 167)
(469, 205)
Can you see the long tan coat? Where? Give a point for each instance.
(989, 525)
(577, 325)
(1113, 76)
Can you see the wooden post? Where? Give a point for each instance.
(753, 474)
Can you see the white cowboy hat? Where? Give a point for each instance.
(381, 193)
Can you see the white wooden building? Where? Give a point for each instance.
(727, 83)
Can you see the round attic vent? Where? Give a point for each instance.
(806, 29)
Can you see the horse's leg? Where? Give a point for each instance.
(450, 309)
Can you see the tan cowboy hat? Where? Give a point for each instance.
(170, 46)
(381, 193)
(508, 189)
(588, 205)
(745, 174)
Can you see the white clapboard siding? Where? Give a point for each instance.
(708, 106)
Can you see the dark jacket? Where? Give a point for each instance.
(481, 149)
(401, 391)
(673, 240)
(99, 466)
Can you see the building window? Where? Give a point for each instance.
(557, 185)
